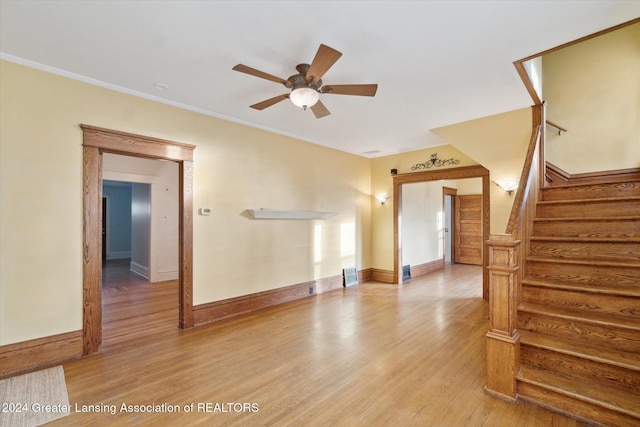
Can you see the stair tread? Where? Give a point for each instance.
(590, 218)
(606, 355)
(603, 319)
(589, 261)
(591, 184)
(586, 239)
(594, 200)
(621, 290)
(597, 394)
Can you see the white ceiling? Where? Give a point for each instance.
(436, 62)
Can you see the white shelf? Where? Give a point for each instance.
(279, 214)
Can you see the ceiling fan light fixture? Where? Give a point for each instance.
(304, 97)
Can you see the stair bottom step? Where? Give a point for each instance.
(585, 400)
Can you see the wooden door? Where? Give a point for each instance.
(468, 229)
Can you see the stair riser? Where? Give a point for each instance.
(621, 251)
(587, 228)
(582, 369)
(588, 209)
(610, 336)
(597, 303)
(584, 274)
(595, 191)
(567, 404)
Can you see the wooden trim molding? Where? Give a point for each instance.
(526, 80)
(384, 276)
(224, 309)
(95, 142)
(474, 171)
(582, 39)
(364, 275)
(557, 176)
(40, 352)
(524, 76)
(426, 268)
(117, 142)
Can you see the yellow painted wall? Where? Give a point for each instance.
(593, 90)
(382, 183)
(499, 143)
(236, 168)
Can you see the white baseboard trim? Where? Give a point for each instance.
(140, 270)
(163, 276)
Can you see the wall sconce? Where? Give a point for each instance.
(381, 198)
(508, 185)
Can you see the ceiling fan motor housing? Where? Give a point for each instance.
(300, 80)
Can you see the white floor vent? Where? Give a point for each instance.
(350, 276)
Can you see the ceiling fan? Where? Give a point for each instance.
(306, 86)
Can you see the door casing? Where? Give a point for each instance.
(474, 171)
(97, 141)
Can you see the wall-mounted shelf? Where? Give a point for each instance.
(279, 214)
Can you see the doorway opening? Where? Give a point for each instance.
(476, 171)
(96, 142)
(448, 205)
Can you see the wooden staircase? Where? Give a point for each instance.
(579, 310)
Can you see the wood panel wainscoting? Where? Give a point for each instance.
(218, 310)
(40, 352)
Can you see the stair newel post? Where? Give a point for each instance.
(503, 339)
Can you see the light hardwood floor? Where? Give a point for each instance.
(370, 355)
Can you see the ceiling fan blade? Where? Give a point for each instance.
(269, 102)
(360, 90)
(261, 74)
(319, 110)
(324, 59)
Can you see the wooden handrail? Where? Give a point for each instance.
(560, 128)
(518, 203)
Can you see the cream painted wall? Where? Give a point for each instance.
(422, 222)
(382, 183)
(593, 90)
(468, 186)
(423, 217)
(499, 143)
(236, 168)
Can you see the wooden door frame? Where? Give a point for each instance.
(475, 171)
(447, 191)
(97, 141)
